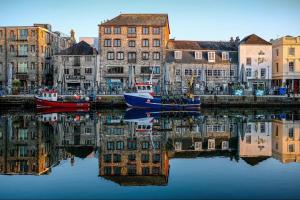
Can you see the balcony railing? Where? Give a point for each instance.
(131, 60)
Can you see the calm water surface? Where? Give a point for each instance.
(138, 154)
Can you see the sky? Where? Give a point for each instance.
(189, 19)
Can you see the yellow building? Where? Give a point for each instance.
(286, 62)
(285, 140)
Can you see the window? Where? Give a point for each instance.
(131, 30)
(146, 70)
(88, 70)
(188, 72)
(178, 72)
(76, 61)
(209, 72)
(131, 43)
(277, 67)
(156, 43)
(131, 157)
(131, 170)
(117, 43)
(131, 57)
(1, 33)
(117, 158)
(211, 56)
(291, 133)
(145, 145)
(1, 65)
(120, 145)
(156, 30)
(1, 49)
(110, 146)
(145, 171)
(217, 73)
(248, 61)
(131, 144)
(156, 70)
(32, 33)
(88, 58)
(248, 72)
(12, 48)
(66, 71)
(107, 170)
(117, 30)
(277, 52)
(145, 158)
(23, 34)
(76, 72)
(23, 50)
(262, 127)
(145, 31)
(156, 55)
(145, 55)
(115, 70)
(110, 55)
(107, 158)
(120, 55)
(263, 73)
(156, 158)
(22, 67)
(292, 51)
(32, 66)
(198, 55)
(211, 144)
(225, 55)
(291, 148)
(107, 43)
(107, 30)
(232, 72)
(178, 55)
(291, 66)
(145, 43)
(32, 48)
(225, 145)
(12, 35)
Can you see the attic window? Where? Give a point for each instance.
(225, 56)
(211, 56)
(198, 55)
(178, 55)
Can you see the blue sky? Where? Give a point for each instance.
(189, 19)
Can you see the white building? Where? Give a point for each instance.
(255, 62)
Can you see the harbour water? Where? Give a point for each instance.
(135, 154)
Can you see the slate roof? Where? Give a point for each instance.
(139, 20)
(254, 39)
(81, 48)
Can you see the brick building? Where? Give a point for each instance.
(26, 54)
(131, 47)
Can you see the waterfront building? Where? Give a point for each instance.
(76, 69)
(26, 54)
(255, 62)
(285, 139)
(213, 64)
(286, 63)
(92, 41)
(132, 46)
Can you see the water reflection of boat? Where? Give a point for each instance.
(61, 110)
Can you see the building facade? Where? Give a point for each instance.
(131, 47)
(213, 64)
(26, 54)
(255, 62)
(286, 63)
(76, 69)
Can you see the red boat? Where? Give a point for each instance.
(49, 99)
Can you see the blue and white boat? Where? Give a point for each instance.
(144, 97)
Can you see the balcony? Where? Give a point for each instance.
(131, 60)
(75, 77)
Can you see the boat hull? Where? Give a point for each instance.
(135, 101)
(56, 104)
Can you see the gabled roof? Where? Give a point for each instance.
(254, 39)
(139, 20)
(81, 48)
(201, 45)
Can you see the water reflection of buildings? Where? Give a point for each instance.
(286, 139)
(32, 145)
(133, 152)
(255, 143)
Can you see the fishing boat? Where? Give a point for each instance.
(49, 99)
(144, 97)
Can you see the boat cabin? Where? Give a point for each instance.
(144, 87)
(50, 95)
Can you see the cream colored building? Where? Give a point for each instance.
(286, 62)
(286, 140)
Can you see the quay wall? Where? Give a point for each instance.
(114, 101)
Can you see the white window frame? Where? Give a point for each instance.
(198, 55)
(178, 55)
(211, 56)
(225, 55)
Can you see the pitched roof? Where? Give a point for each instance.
(139, 20)
(202, 45)
(254, 39)
(81, 48)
